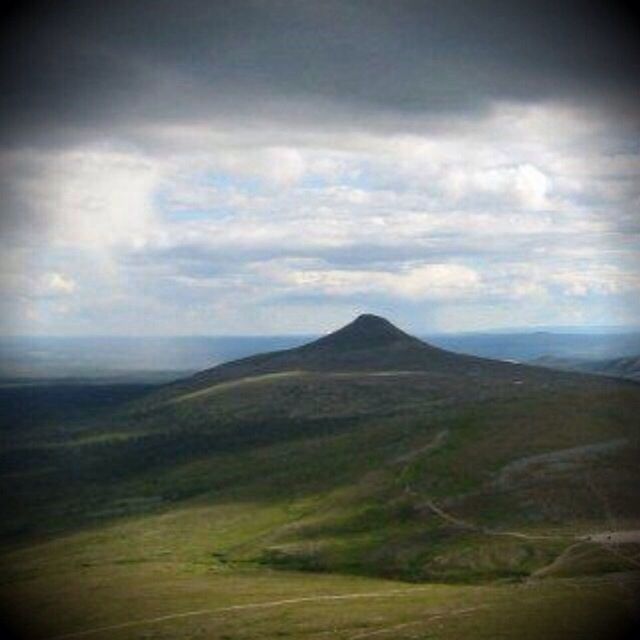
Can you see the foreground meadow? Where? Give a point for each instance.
(156, 577)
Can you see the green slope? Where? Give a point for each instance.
(397, 462)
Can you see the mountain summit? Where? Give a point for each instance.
(367, 331)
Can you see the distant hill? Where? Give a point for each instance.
(628, 368)
(527, 345)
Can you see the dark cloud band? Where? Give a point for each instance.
(91, 67)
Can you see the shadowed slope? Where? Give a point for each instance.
(368, 344)
(367, 368)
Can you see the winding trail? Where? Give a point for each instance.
(465, 524)
(608, 541)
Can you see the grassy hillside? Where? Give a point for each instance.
(232, 489)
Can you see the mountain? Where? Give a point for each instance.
(369, 344)
(360, 462)
(365, 369)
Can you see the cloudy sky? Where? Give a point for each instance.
(273, 166)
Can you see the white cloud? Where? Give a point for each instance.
(500, 209)
(90, 198)
(58, 283)
(26, 288)
(418, 282)
(600, 279)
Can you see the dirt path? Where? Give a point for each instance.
(415, 623)
(434, 444)
(614, 537)
(465, 524)
(392, 593)
(606, 539)
(437, 441)
(609, 541)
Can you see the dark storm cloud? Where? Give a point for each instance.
(79, 67)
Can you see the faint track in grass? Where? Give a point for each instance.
(431, 446)
(415, 623)
(393, 593)
(465, 524)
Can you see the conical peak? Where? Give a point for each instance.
(370, 318)
(374, 324)
(366, 331)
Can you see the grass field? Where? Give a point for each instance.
(163, 577)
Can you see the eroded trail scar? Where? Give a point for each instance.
(239, 607)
